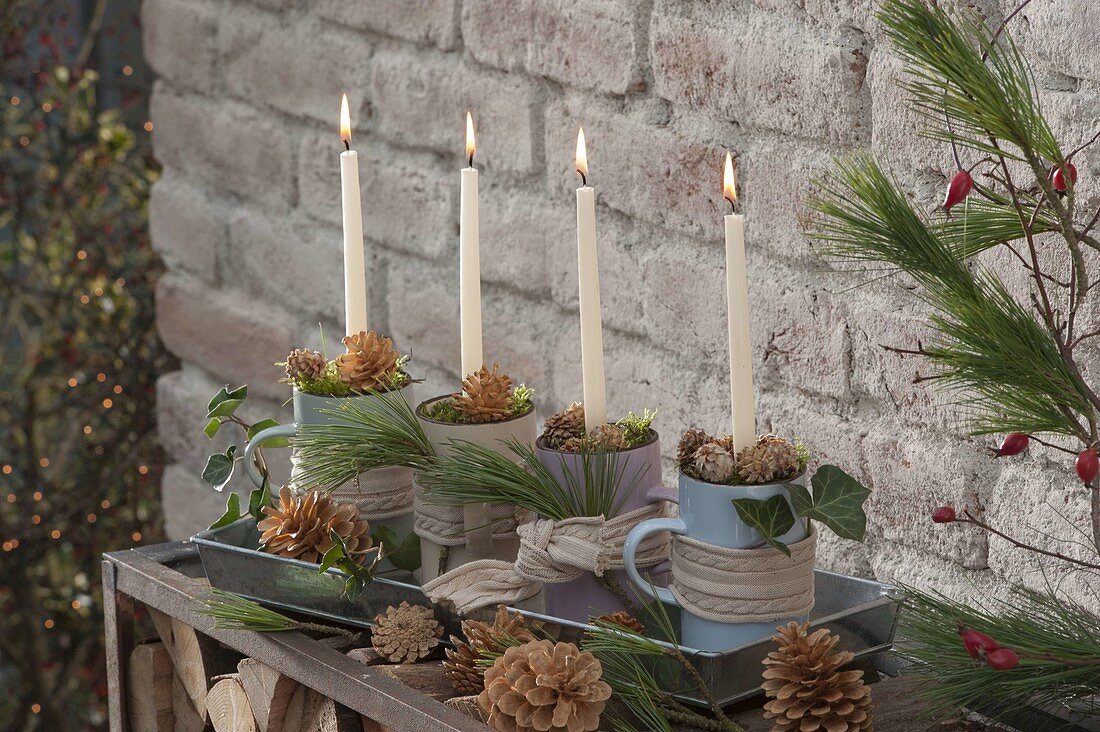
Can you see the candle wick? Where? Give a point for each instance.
(471, 160)
(584, 178)
(733, 204)
(347, 145)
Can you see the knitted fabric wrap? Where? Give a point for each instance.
(445, 525)
(380, 494)
(551, 552)
(743, 585)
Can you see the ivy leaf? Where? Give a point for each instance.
(232, 512)
(403, 555)
(263, 424)
(225, 402)
(212, 427)
(772, 518)
(837, 502)
(258, 498)
(332, 556)
(219, 468)
(353, 587)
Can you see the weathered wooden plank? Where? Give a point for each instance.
(118, 624)
(349, 682)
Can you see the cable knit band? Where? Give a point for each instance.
(381, 493)
(445, 524)
(551, 552)
(743, 585)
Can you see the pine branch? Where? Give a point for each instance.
(1058, 642)
(1008, 370)
(365, 435)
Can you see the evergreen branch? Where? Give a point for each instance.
(980, 81)
(233, 612)
(1011, 369)
(472, 473)
(364, 435)
(1057, 640)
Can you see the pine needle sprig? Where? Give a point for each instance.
(473, 473)
(959, 72)
(993, 349)
(1058, 642)
(987, 224)
(233, 612)
(365, 435)
(646, 676)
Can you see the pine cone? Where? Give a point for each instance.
(406, 633)
(507, 629)
(369, 362)
(607, 437)
(808, 691)
(302, 363)
(299, 526)
(692, 440)
(486, 396)
(461, 667)
(564, 426)
(715, 463)
(544, 686)
(624, 620)
(771, 459)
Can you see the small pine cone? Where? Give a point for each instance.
(574, 444)
(369, 363)
(607, 437)
(543, 686)
(461, 667)
(807, 689)
(486, 396)
(302, 363)
(770, 460)
(299, 526)
(715, 464)
(692, 440)
(564, 426)
(406, 633)
(624, 620)
(507, 629)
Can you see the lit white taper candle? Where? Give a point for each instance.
(469, 262)
(355, 275)
(595, 397)
(737, 296)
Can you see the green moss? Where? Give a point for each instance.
(444, 410)
(637, 429)
(331, 385)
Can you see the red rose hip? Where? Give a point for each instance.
(944, 514)
(1012, 444)
(1003, 659)
(957, 189)
(978, 644)
(1058, 177)
(1087, 465)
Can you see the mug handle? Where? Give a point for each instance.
(279, 430)
(633, 539)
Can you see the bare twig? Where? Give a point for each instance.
(971, 518)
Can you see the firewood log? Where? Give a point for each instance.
(268, 692)
(149, 689)
(228, 708)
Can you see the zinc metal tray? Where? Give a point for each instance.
(862, 612)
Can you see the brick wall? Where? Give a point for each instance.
(247, 217)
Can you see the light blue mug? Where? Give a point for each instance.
(707, 514)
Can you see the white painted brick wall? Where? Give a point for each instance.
(247, 219)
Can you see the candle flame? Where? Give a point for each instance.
(470, 146)
(729, 184)
(345, 120)
(582, 154)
